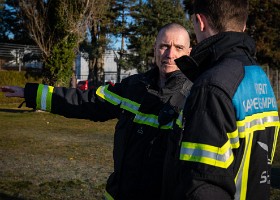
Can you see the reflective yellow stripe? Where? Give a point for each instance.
(234, 139)
(151, 120)
(252, 123)
(107, 95)
(38, 98)
(275, 142)
(115, 99)
(207, 154)
(257, 122)
(130, 105)
(247, 127)
(49, 98)
(108, 196)
(44, 97)
(133, 107)
(179, 120)
(241, 178)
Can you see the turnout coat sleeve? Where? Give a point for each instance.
(72, 102)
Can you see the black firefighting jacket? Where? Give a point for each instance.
(231, 124)
(139, 140)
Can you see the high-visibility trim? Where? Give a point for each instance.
(44, 97)
(207, 154)
(257, 121)
(151, 120)
(252, 123)
(107, 196)
(38, 98)
(179, 120)
(115, 99)
(130, 105)
(246, 129)
(107, 95)
(234, 139)
(274, 142)
(133, 107)
(241, 178)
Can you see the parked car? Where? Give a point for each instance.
(109, 82)
(83, 85)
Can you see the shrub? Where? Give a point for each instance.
(18, 79)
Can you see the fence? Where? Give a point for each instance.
(19, 56)
(273, 75)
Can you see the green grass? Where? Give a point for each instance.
(48, 157)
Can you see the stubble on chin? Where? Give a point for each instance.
(169, 68)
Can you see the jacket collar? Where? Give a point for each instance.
(151, 78)
(212, 49)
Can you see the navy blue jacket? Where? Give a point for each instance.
(139, 142)
(231, 124)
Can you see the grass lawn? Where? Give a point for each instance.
(48, 157)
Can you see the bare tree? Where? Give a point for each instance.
(52, 21)
(38, 16)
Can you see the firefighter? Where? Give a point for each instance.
(231, 115)
(140, 141)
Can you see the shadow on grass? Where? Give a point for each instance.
(8, 197)
(14, 110)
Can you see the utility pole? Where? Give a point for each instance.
(121, 52)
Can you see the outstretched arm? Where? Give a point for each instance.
(12, 91)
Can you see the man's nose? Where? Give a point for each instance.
(171, 53)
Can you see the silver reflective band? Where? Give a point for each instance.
(203, 153)
(129, 106)
(44, 97)
(257, 122)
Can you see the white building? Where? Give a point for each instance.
(110, 67)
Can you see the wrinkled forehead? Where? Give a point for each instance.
(173, 36)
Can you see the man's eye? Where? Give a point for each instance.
(163, 47)
(180, 48)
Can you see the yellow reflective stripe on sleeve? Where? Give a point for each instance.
(38, 98)
(115, 99)
(107, 95)
(130, 105)
(151, 120)
(44, 97)
(207, 154)
(234, 139)
(133, 107)
(179, 120)
(108, 196)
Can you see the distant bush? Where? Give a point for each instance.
(18, 79)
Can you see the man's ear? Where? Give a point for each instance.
(244, 28)
(201, 21)
(190, 49)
